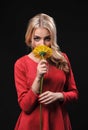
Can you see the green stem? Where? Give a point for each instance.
(41, 84)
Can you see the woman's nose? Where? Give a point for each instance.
(42, 42)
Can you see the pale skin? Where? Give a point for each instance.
(41, 36)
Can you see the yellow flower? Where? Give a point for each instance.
(42, 51)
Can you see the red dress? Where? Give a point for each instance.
(54, 115)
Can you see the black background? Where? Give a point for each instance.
(72, 25)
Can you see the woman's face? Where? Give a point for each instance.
(41, 36)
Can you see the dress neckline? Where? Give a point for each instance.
(31, 59)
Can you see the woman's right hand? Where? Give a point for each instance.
(42, 68)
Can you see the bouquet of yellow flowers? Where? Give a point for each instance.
(42, 52)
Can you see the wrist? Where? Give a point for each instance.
(60, 96)
(37, 79)
(35, 91)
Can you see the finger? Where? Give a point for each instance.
(43, 98)
(43, 61)
(46, 101)
(44, 94)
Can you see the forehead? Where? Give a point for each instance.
(41, 32)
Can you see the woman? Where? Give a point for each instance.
(59, 87)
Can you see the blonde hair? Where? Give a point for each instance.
(46, 21)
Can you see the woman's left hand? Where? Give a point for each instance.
(49, 97)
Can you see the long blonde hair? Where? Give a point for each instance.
(46, 21)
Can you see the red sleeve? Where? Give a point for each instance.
(26, 98)
(71, 91)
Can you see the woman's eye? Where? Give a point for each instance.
(36, 38)
(47, 38)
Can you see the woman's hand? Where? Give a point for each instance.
(42, 68)
(49, 97)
